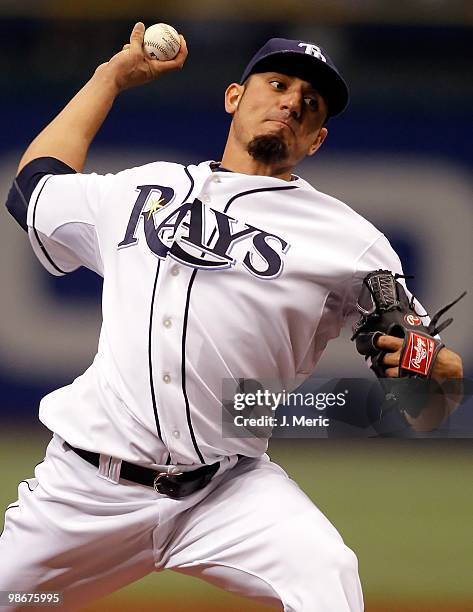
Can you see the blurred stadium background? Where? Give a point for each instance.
(401, 156)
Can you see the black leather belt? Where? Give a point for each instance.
(175, 485)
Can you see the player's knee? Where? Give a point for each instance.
(332, 558)
(346, 562)
(326, 578)
(342, 561)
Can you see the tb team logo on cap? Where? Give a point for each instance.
(311, 49)
(304, 60)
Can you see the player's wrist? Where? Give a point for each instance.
(105, 79)
(448, 365)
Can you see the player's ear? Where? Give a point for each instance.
(315, 146)
(233, 95)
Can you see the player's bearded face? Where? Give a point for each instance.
(279, 119)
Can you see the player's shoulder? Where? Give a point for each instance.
(154, 168)
(341, 212)
(172, 174)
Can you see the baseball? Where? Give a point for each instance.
(161, 41)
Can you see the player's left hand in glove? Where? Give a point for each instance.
(390, 323)
(400, 346)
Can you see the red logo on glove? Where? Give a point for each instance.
(411, 319)
(418, 354)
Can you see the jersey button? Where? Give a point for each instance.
(167, 323)
(166, 378)
(174, 270)
(205, 198)
(176, 434)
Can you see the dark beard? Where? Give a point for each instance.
(268, 149)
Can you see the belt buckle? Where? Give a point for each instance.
(161, 479)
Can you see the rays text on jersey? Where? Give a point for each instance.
(200, 236)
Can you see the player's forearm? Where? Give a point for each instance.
(443, 400)
(440, 404)
(434, 415)
(69, 136)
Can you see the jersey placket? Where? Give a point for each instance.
(168, 348)
(168, 318)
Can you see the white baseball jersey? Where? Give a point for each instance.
(207, 276)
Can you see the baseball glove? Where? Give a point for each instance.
(385, 309)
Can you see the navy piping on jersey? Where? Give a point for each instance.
(239, 195)
(261, 190)
(6, 510)
(150, 332)
(189, 289)
(36, 235)
(10, 507)
(216, 167)
(18, 505)
(183, 369)
(150, 358)
(22, 190)
(27, 484)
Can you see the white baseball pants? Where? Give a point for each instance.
(251, 531)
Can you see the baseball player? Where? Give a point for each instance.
(231, 269)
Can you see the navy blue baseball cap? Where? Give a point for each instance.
(304, 60)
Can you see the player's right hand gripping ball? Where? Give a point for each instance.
(385, 309)
(161, 42)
